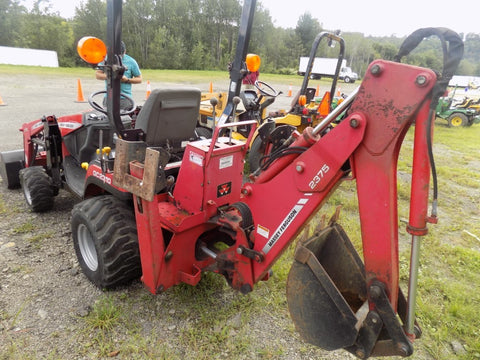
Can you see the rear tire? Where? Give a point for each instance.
(457, 119)
(276, 138)
(105, 240)
(255, 154)
(37, 188)
(203, 133)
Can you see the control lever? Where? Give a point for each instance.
(236, 100)
(214, 103)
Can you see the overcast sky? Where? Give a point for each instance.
(371, 17)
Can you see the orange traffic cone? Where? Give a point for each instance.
(149, 90)
(318, 90)
(324, 107)
(80, 98)
(1, 102)
(290, 91)
(211, 87)
(338, 92)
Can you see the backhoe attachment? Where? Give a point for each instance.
(336, 300)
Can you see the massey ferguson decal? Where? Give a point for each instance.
(224, 189)
(286, 222)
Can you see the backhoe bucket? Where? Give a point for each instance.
(325, 288)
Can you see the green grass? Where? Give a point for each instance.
(449, 279)
(105, 315)
(174, 76)
(24, 228)
(3, 206)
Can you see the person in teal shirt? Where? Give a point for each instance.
(132, 75)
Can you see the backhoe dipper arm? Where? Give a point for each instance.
(375, 163)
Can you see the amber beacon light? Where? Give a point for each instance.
(91, 49)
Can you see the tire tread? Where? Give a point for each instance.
(38, 184)
(114, 227)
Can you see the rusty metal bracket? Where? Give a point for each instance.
(138, 168)
(250, 253)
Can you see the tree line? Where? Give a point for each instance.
(202, 35)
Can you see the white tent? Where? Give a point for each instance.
(33, 57)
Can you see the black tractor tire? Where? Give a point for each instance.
(203, 133)
(457, 119)
(37, 188)
(105, 240)
(255, 154)
(347, 79)
(276, 138)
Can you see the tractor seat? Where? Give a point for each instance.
(169, 117)
(309, 93)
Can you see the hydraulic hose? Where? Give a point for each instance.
(452, 55)
(431, 115)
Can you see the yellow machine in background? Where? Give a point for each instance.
(307, 109)
(252, 104)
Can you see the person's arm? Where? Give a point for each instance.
(100, 75)
(133, 80)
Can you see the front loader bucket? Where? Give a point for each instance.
(11, 162)
(325, 288)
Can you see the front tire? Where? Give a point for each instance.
(37, 188)
(105, 241)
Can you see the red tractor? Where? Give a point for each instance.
(169, 221)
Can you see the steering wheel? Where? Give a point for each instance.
(270, 91)
(129, 110)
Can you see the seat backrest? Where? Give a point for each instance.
(169, 115)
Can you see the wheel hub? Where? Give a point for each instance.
(456, 121)
(87, 247)
(28, 196)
